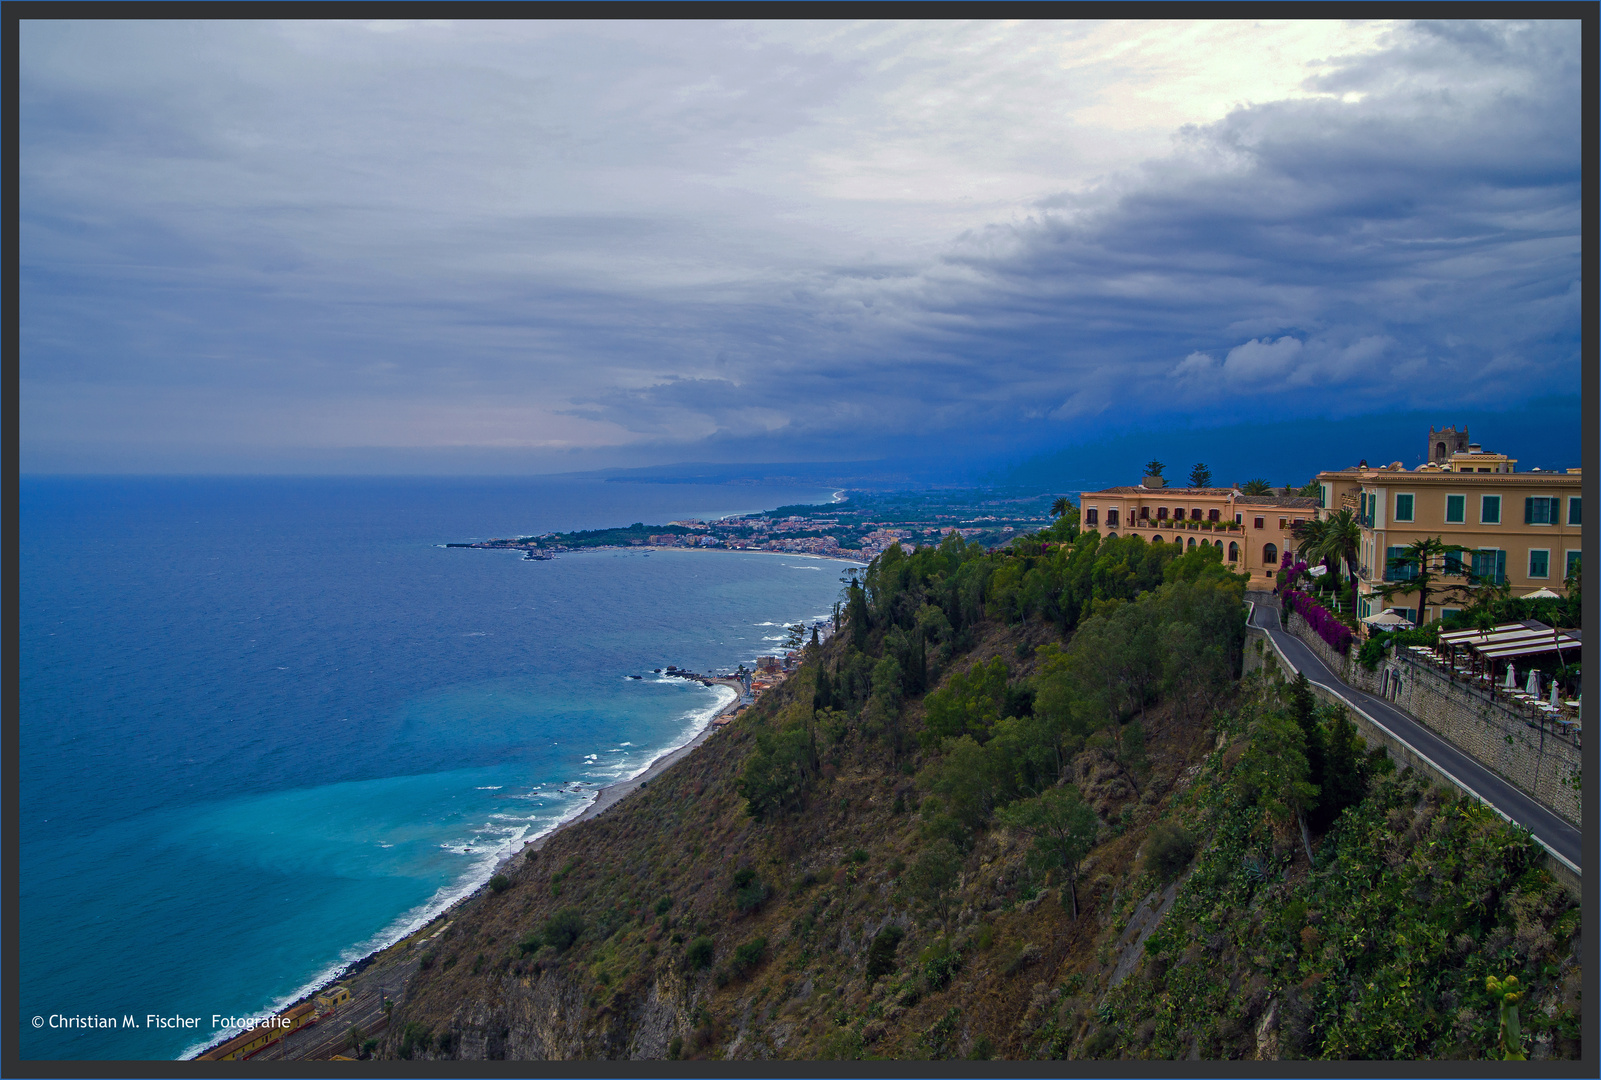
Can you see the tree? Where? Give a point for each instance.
(1061, 506)
(1257, 486)
(1200, 476)
(1338, 538)
(1275, 771)
(1154, 468)
(1310, 490)
(1063, 827)
(1418, 561)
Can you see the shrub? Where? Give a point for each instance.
(881, 953)
(749, 955)
(940, 962)
(859, 855)
(1322, 621)
(664, 905)
(1169, 849)
(675, 1048)
(699, 954)
(500, 883)
(413, 1037)
(563, 928)
(749, 892)
(530, 942)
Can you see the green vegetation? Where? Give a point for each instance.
(699, 954)
(499, 883)
(860, 865)
(564, 928)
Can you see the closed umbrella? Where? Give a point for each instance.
(1511, 677)
(1555, 703)
(1533, 689)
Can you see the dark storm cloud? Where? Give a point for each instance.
(604, 232)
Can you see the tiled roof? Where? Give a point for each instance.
(1175, 492)
(1295, 501)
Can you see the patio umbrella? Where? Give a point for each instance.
(1511, 677)
(1386, 618)
(1533, 689)
(1542, 593)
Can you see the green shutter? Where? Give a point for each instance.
(1573, 510)
(1403, 508)
(1455, 508)
(1500, 567)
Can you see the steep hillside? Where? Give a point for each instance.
(885, 856)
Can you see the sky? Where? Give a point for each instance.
(542, 247)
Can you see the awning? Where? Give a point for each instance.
(1474, 637)
(1531, 648)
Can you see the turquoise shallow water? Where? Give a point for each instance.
(270, 725)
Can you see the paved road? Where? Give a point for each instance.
(1560, 836)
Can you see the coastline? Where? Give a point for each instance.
(605, 798)
(608, 796)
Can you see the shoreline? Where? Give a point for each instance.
(605, 798)
(608, 796)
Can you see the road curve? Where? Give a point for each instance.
(1556, 833)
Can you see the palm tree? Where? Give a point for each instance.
(1420, 556)
(1258, 486)
(1061, 506)
(1342, 540)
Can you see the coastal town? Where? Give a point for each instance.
(859, 527)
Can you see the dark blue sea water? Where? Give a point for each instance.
(269, 725)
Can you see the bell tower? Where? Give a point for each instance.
(1445, 442)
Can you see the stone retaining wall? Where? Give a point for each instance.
(1539, 761)
(1260, 653)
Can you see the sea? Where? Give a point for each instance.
(270, 725)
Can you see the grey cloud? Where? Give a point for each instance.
(312, 211)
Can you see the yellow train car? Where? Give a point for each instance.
(256, 1039)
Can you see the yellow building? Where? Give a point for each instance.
(1252, 531)
(1519, 528)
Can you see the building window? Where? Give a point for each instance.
(1091, 516)
(1456, 509)
(1192, 542)
(1145, 513)
(1539, 563)
(1403, 507)
(1490, 510)
(1447, 612)
(1211, 515)
(1489, 566)
(1538, 510)
(1453, 565)
(1573, 510)
(1161, 513)
(1270, 554)
(1258, 523)
(1195, 513)
(1234, 552)
(1573, 563)
(1111, 518)
(1323, 495)
(1239, 519)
